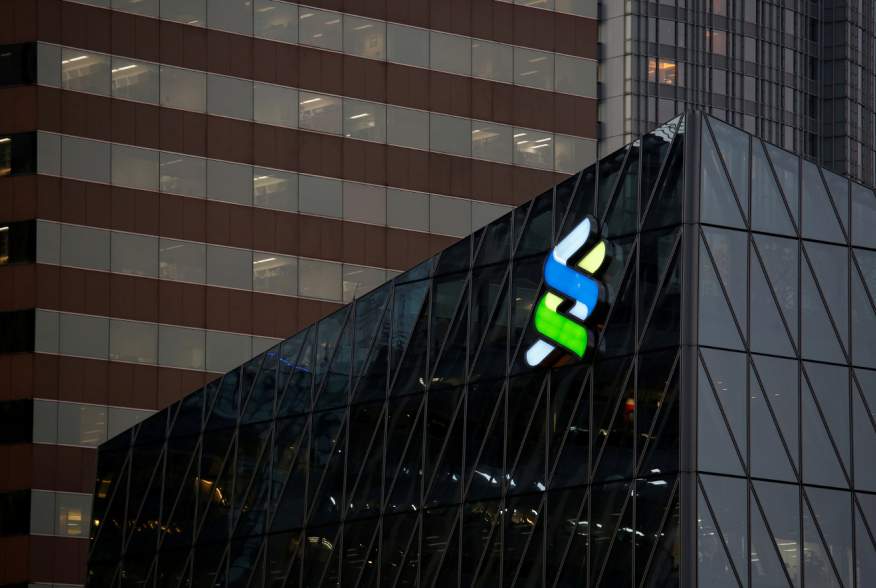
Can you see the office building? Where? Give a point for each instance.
(798, 73)
(661, 372)
(187, 182)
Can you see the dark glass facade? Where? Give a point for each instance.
(719, 431)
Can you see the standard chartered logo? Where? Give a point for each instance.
(572, 296)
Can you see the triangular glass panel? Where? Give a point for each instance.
(448, 294)
(108, 537)
(526, 278)
(496, 244)
(214, 500)
(827, 514)
(733, 145)
(780, 259)
(484, 443)
(360, 541)
(454, 259)
(864, 427)
(787, 167)
(768, 333)
(660, 452)
(289, 473)
(839, 193)
(830, 264)
(252, 485)
(613, 410)
(622, 218)
(609, 503)
(656, 503)
(569, 441)
(525, 394)
(327, 438)
(728, 250)
(365, 460)
(450, 366)
(368, 313)
(535, 235)
(726, 371)
(143, 497)
(865, 547)
(713, 564)
(830, 383)
(406, 469)
(817, 333)
(769, 212)
(569, 538)
(716, 451)
(327, 491)
(488, 284)
(564, 192)
(320, 565)
(663, 328)
(226, 406)
(245, 558)
(727, 498)
(528, 472)
(371, 353)
(218, 452)
(250, 370)
(482, 543)
(181, 464)
(780, 504)
(583, 203)
(819, 218)
(208, 565)
(284, 558)
(296, 374)
(328, 330)
(619, 330)
(336, 380)
(664, 208)
(524, 540)
(863, 313)
(863, 216)
(409, 356)
(770, 455)
(821, 465)
(610, 168)
(657, 250)
(492, 355)
(403, 415)
(444, 430)
(260, 406)
(717, 326)
(187, 421)
(655, 147)
(438, 525)
(718, 204)
(400, 539)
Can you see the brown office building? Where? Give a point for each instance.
(187, 182)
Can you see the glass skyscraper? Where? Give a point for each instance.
(661, 372)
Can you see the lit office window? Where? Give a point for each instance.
(133, 342)
(533, 68)
(359, 280)
(229, 267)
(275, 189)
(227, 350)
(407, 45)
(83, 336)
(234, 16)
(182, 260)
(183, 174)
(578, 7)
(364, 37)
(133, 254)
(181, 347)
(492, 141)
(142, 7)
(533, 148)
(229, 182)
(85, 247)
(318, 112)
(18, 154)
(84, 71)
(84, 159)
(134, 80)
(275, 105)
(190, 12)
(450, 53)
(320, 28)
(74, 514)
(576, 76)
(364, 120)
(134, 167)
(662, 71)
(276, 20)
(573, 153)
(319, 279)
(184, 89)
(492, 61)
(275, 274)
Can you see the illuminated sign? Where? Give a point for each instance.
(572, 296)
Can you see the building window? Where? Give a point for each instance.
(16, 424)
(16, 331)
(18, 154)
(662, 71)
(17, 242)
(17, 64)
(15, 513)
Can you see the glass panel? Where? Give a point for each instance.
(491, 141)
(135, 80)
(364, 120)
(48, 153)
(230, 15)
(450, 134)
(863, 216)
(359, 280)
(483, 213)
(133, 167)
(449, 216)
(48, 242)
(533, 68)
(718, 203)
(182, 260)
(181, 347)
(122, 419)
(230, 97)
(183, 88)
(320, 196)
(275, 189)
(319, 113)
(83, 159)
(492, 61)
(83, 336)
(734, 146)
(576, 75)
(229, 182)
(365, 203)
(275, 274)
(133, 341)
(48, 65)
(45, 421)
(320, 28)
(819, 219)
(319, 279)
(578, 7)
(407, 127)
(780, 504)
(276, 20)
(190, 12)
(275, 105)
(831, 512)
(788, 171)
(364, 37)
(46, 331)
(226, 351)
(573, 153)
(143, 7)
(407, 45)
(407, 210)
(74, 514)
(81, 424)
(533, 148)
(84, 71)
(229, 267)
(85, 247)
(450, 53)
(182, 174)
